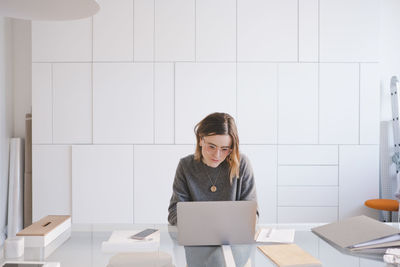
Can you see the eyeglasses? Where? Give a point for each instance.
(212, 149)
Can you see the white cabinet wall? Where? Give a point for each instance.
(102, 184)
(123, 103)
(143, 30)
(164, 101)
(174, 30)
(264, 164)
(200, 89)
(215, 34)
(308, 30)
(339, 103)
(359, 165)
(62, 41)
(113, 34)
(115, 99)
(151, 201)
(308, 183)
(350, 36)
(42, 103)
(72, 87)
(369, 101)
(259, 36)
(257, 101)
(298, 103)
(52, 183)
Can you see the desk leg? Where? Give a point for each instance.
(228, 256)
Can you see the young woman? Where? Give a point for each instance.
(216, 171)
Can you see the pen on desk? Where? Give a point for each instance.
(268, 232)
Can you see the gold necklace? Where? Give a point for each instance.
(213, 188)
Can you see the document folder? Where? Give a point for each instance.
(289, 255)
(358, 233)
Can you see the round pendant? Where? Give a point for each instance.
(213, 188)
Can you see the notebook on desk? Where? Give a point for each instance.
(216, 222)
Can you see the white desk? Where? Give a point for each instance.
(83, 249)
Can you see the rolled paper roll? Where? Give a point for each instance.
(14, 247)
(15, 222)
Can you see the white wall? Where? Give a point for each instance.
(22, 74)
(6, 115)
(115, 99)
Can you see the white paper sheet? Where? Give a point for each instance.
(120, 241)
(387, 239)
(271, 235)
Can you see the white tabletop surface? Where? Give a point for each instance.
(83, 249)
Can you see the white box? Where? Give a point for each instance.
(44, 231)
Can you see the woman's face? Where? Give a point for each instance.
(215, 149)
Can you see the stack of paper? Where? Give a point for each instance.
(272, 235)
(359, 233)
(121, 241)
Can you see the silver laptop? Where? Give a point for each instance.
(216, 222)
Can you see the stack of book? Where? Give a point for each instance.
(45, 236)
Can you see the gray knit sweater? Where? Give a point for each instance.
(193, 180)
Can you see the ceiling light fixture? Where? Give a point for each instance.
(48, 9)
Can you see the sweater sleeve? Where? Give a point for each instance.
(248, 186)
(180, 193)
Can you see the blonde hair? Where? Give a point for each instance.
(220, 124)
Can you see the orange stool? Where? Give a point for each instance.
(389, 205)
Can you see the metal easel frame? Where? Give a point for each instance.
(394, 95)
